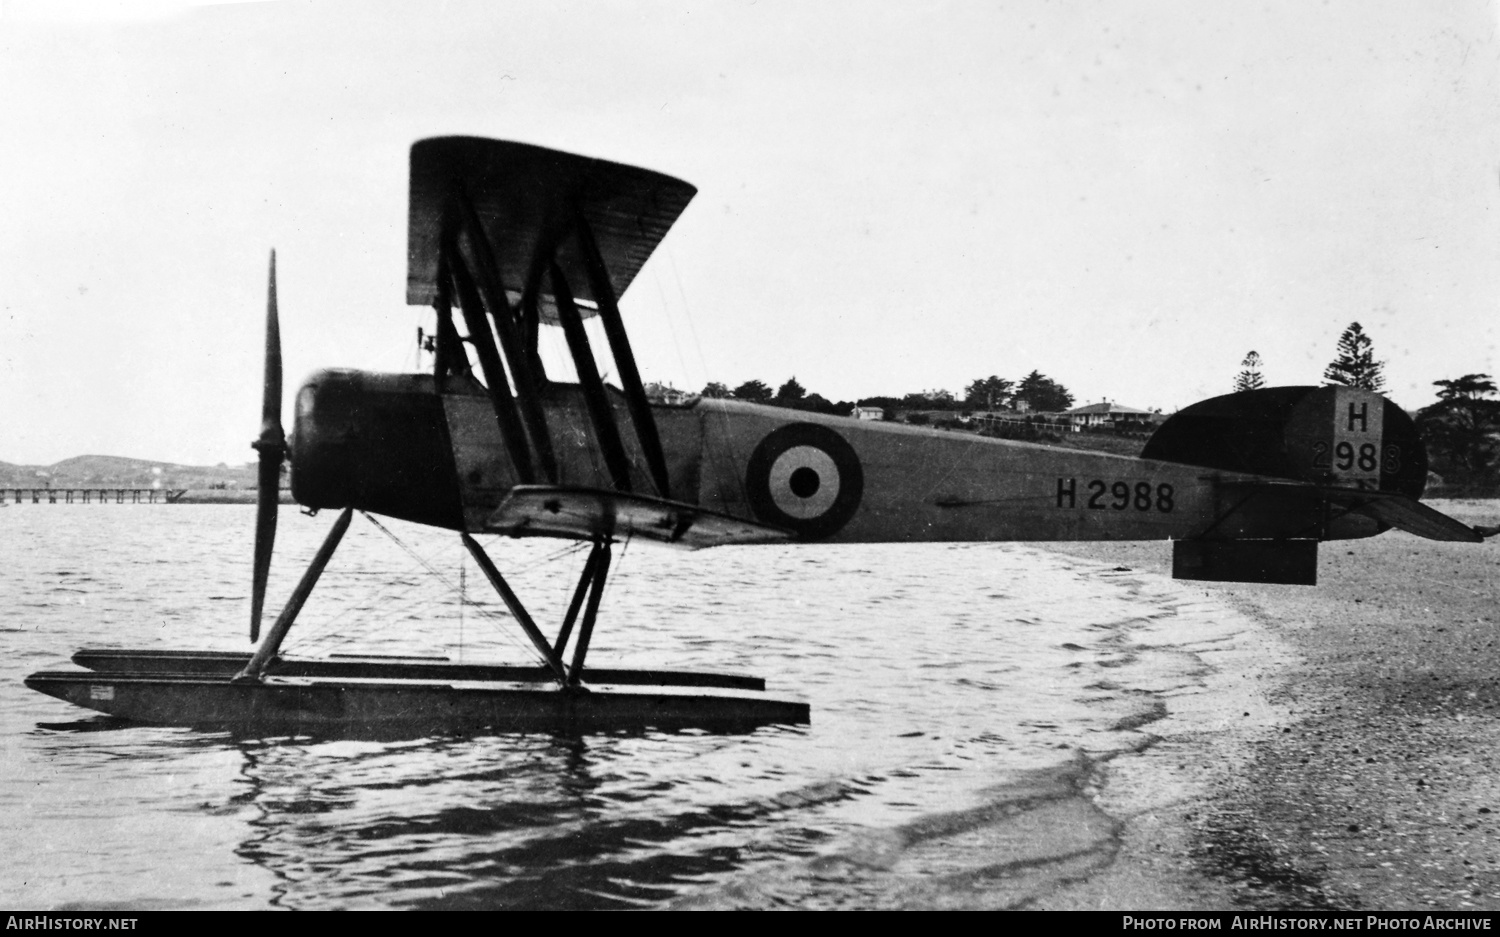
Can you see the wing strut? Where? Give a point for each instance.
(619, 346)
(489, 360)
(524, 368)
(529, 320)
(605, 431)
(530, 236)
(450, 357)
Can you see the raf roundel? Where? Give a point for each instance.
(806, 478)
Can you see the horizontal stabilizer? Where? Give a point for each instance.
(594, 513)
(1403, 513)
(1388, 507)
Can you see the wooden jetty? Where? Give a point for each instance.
(90, 495)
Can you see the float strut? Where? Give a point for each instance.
(590, 612)
(256, 668)
(523, 618)
(577, 603)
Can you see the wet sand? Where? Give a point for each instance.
(1187, 677)
(1368, 781)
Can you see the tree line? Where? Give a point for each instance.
(1035, 392)
(1461, 430)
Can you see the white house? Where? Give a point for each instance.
(657, 392)
(1106, 414)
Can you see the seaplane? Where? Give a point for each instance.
(506, 239)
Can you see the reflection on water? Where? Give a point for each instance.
(534, 822)
(937, 675)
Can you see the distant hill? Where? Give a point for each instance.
(101, 471)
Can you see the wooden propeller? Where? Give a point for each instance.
(272, 448)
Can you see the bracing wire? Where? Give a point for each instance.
(330, 635)
(682, 363)
(489, 614)
(493, 615)
(327, 631)
(697, 344)
(555, 555)
(619, 564)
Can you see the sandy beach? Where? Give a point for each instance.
(1368, 780)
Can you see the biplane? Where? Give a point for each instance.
(508, 239)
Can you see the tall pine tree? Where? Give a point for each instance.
(1249, 377)
(1355, 365)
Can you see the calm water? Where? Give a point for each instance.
(943, 680)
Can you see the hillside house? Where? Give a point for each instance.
(1107, 413)
(657, 392)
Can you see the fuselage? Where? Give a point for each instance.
(395, 444)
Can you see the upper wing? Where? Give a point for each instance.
(527, 199)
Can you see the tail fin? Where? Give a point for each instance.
(1339, 437)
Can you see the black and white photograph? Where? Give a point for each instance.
(751, 455)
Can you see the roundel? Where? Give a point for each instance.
(806, 478)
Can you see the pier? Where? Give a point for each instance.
(87, 495)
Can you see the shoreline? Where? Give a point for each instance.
(1178, 672)
(1379, 789)
(190, 496)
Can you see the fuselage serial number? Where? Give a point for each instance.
(1099, 495)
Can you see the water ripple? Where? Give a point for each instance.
(935, 674)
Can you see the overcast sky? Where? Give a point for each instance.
(892, 197)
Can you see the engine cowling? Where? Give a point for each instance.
(376, 442)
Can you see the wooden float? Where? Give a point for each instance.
(386, 697)
(376, 666)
